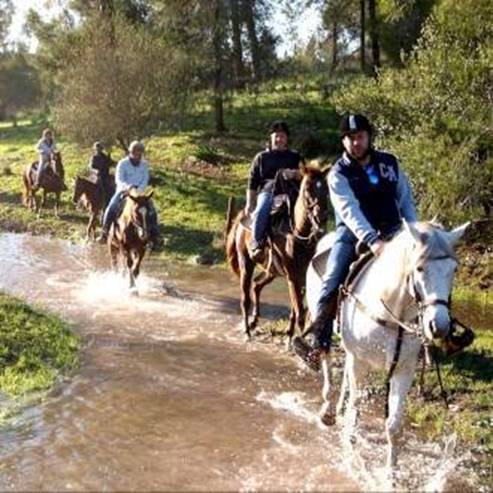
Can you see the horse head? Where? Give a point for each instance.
(138, 213)
(313, 201)
(432, 268)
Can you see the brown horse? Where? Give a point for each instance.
(129, 235)
(52, 181)
(93, 197)
(287, 254)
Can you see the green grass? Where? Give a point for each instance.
(190, 194)
(35, 348)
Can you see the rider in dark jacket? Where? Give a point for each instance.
(370, 195)
(265, 166)
(100, 165)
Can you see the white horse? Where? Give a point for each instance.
(412, 276)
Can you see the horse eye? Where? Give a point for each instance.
(420, 269)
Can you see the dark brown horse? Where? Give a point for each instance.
(52, 181)
(287, 254)
(91, 194)
(129, 235)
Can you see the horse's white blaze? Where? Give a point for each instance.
(143, 213)
(420, 257)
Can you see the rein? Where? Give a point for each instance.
(311, 217)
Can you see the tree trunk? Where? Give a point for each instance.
(335, 46)
(238, 67)
(249, 7)
(375, 44)
(218, 70)
(362, 35)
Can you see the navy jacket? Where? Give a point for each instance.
(370, 200)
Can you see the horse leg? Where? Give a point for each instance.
(298, 310)
(400, 383)
(57, 203)
(91, 227)
(130, 265)
(355, 372)
(344, 391)
(259, 283)
(246, 272)
(42, 202)
(327, 415)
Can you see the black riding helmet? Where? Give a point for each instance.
(353, 122)
(279, 126)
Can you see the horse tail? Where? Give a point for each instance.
(229, 216)
(230, 235)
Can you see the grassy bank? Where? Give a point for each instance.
(36, 348)
(193, 171)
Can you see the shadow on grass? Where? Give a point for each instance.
(187, 241)
(476, 365)
(11, 198)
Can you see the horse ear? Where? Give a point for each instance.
(412, 230)
(150, 194)
(456, 234)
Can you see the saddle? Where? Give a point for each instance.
(285, 190)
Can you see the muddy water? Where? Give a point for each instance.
(169, 396)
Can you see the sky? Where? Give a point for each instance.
(306, 26)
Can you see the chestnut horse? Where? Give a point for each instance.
(52, 181)
(93, 197)
(286, 254)
(129, 235)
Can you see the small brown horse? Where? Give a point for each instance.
(52, 181)
(287, 254)
(93, 197)
(129, 235)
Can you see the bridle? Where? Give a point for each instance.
(309, 206)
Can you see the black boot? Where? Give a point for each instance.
(320, 334)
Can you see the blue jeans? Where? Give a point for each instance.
(338, 262)
(261, 216)
(112, 210)
(42, 165)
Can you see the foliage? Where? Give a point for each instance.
(19, 84)
(436, 112)
(35, 347)
(117, 87)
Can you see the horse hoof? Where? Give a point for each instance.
(134, 292)
(328, 419)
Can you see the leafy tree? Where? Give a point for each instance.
(6, 13)
(122, 83)
(19, 85)
(436, 112)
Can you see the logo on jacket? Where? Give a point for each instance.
(387, 172)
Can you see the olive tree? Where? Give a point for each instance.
(122, 82)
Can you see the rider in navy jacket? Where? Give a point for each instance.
(370, 195)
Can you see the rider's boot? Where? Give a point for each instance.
(320, 335)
